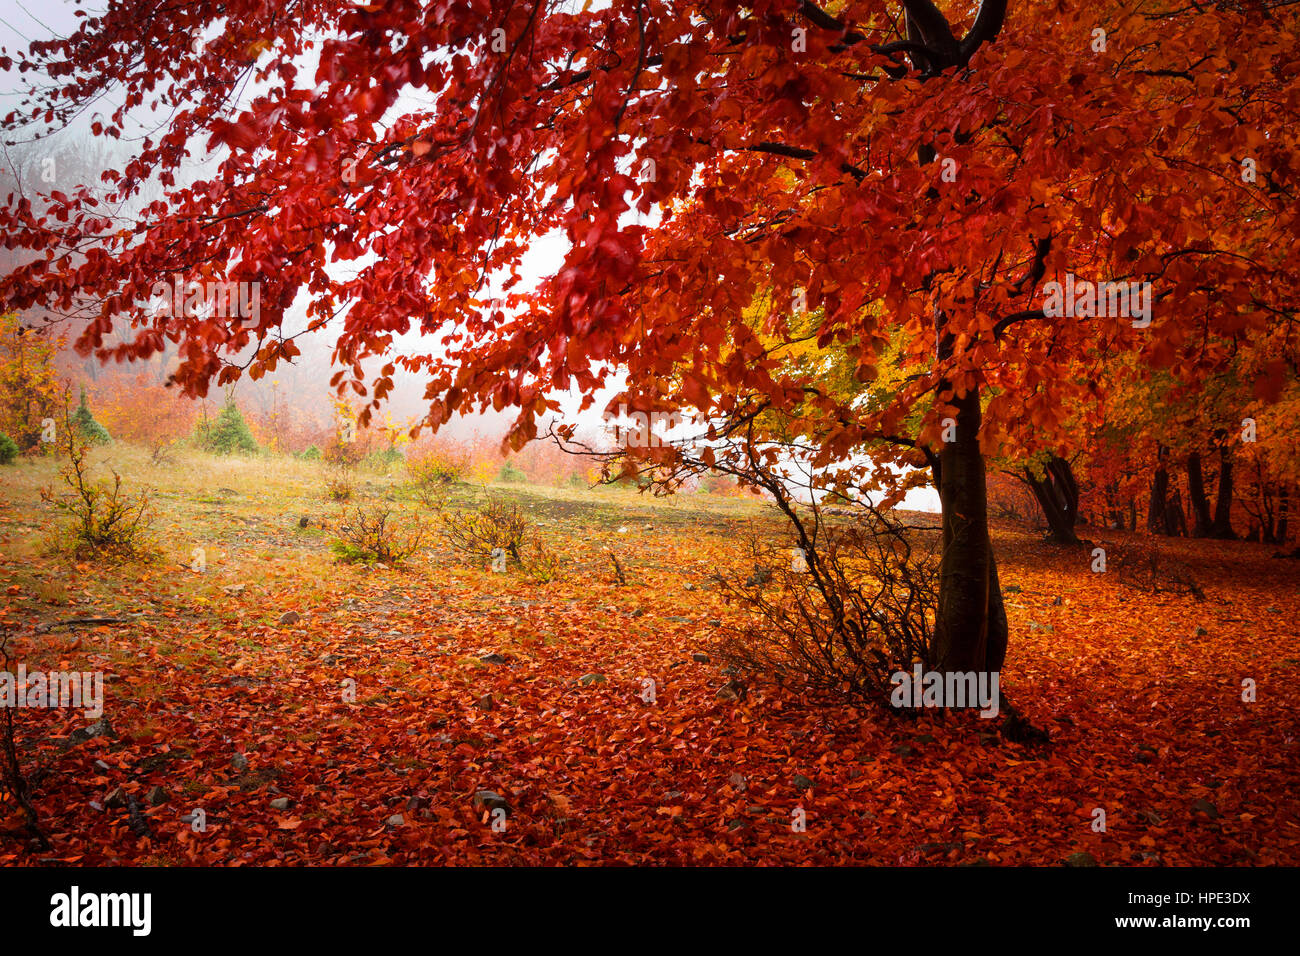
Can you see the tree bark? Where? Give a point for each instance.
(970, 625)
(1196, 490)
(1222, 526)
(1283, 503)
(1175, 520)
(1058, 495)
(1156, 507)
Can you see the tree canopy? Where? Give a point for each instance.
(982, 208)
(783, 147)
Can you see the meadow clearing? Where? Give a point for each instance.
(281, 705)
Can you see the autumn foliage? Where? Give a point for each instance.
(1037, 258)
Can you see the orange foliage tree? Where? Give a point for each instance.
(924, 179)
(29, 385)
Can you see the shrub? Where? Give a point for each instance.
(495, 525)
(160, 451)
(539, 562)
(500, 529)
(227, 434)
(347, 454)
(857, 608)
(375, 535)
(436, 466)
(432, 470)
(338, 483)
(103, 518)
(8, 450)
(509, 473)
(311, 454)
(85, 427)
(382, 461)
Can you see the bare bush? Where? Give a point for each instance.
(840, 613)
(494, 526)
(104, 520)
(498, 529)
(432, 497)
(162, 452)
(375, 534)
(338, 482)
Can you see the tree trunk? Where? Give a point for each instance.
(1175, 520)
(1156, 508)
(1284, 501)
(1058, 495)
(1196, 490)
(971, 624)
(1222, 527)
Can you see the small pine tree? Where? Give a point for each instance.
(511, 473)
(8, 449)
(227, 434)
(87, 429)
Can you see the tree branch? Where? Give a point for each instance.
(1025, 316)
(934, 30)
(988, 24)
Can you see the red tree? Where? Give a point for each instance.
(903, 173)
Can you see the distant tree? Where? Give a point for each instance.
(28, 384)
(510, 472)
(227, 434)
(85, 425)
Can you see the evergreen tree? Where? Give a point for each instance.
(227, 434)
(85, 426)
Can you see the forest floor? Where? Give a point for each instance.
(217, 699)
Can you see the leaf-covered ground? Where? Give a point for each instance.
(218, 701)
